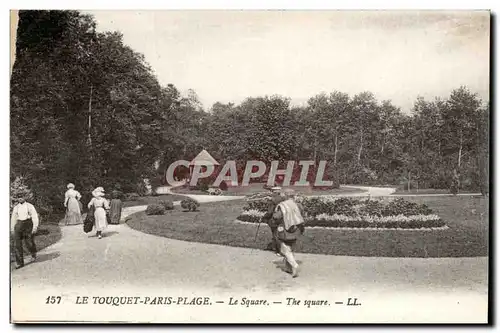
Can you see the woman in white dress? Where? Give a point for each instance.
(100, 205)
(72, 204)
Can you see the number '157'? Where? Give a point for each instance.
(53, 300)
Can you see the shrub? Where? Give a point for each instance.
(214, 191)
(372, 208)
(132, 197)
(155, 209)
(19, 188)
(142, 188)
(314, 206)
(258, 201)
(403, 207)
(223, 186)
(190, 204)
(267, 187)
(167, 204)
(343, 206)
(342, 221)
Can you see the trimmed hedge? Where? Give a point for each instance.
(155, 209)
(361, 223)
(345, 212)
(167, 204)
(190, 204)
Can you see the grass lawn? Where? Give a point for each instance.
(146, 200)
(466, 217)
(428, 191)
(48, 233)
(259, 187)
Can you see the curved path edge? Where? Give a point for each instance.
(127, 262)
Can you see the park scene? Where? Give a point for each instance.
(396, 200)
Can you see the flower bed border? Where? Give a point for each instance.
(354, 213)
(444, 227)
(347, 222)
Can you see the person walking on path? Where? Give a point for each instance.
(276, 198)
(115, 211)
(100, 205)
(24, 225)
(72, 204)
(289, 224)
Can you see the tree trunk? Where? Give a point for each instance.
(90, 116)
(315, 154)
(422, 143)
(383, 144)
(409, 180)
(460, 152)
(360, 150)
(90, 128)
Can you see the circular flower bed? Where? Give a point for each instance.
(344, 212)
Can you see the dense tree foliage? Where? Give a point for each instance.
(87, 109)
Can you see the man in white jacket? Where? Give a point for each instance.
(24, 225)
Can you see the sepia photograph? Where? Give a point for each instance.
(250, 166)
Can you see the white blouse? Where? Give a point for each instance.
(71, 193)
(99, 203)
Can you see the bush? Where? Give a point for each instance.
(223, 186)
(403, 207)
(372, 208)
(167, 204)
(314, 206)
(132, 197)
(259, 201)
(203, 187)
(267, 187)
(155, 209)
(360, 222)
(190, 204)
(19, 188)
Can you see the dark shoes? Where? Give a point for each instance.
(33, 259)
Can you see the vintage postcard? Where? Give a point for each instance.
(250, 166)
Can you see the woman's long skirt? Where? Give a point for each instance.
(73, 213)
(100, 219)
(115, 211)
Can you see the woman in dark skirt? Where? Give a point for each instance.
(116, 206)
